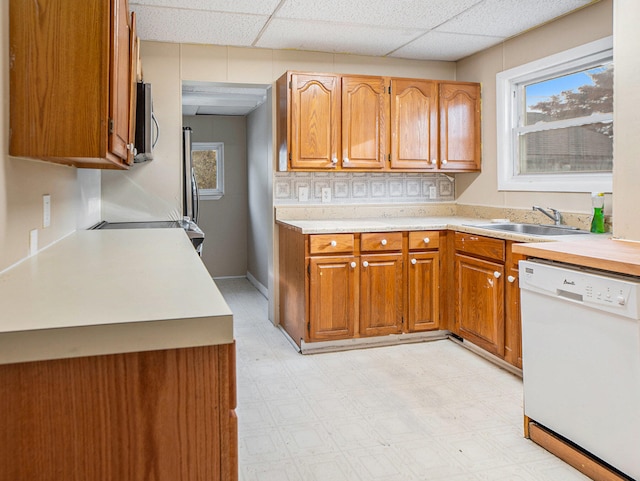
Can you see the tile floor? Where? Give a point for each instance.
(428, 411)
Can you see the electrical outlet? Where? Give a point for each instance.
(303, 193)
(33, 242)
(46, 210)
(326, 194)
(433, 192)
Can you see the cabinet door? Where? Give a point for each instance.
(120, 99)
(480, 302)
(315, 121)
(333, 297)
(513, 326)
(414, 124)
(459, 126)
(423, 282)
(380, 294)
(365, 134)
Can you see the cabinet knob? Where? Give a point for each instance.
(496, 274)
(511, 279)
(413, 261)
(334, 160)
(353, 264)
(434, 161)
(383, 242)
(426, 240)
(365, 264)
(444, 161)
(345, 160)
(333, 243)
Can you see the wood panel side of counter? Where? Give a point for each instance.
(160, 415)
(293, 283)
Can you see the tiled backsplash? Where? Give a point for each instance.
(362, 187)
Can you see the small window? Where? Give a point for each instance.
(555, 122)
(208, 163)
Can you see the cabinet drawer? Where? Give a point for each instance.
(480, 246)
(381, 241)
(330, 243)
(423, 240)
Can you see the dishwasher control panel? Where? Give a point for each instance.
(611, 293)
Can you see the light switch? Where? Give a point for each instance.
(303, 193)
(433, 193)
(326, 194)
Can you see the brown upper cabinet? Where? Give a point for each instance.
(72, 77)
(368, 123)
(459, 126)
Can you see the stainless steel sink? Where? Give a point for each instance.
(532, 229)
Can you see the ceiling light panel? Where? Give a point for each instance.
(419, 14)
(193, 26)
(334, 37)
(505, 18)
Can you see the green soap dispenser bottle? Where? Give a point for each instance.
(597, 223)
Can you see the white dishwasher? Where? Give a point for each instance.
(581, 358)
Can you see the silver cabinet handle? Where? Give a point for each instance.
(345, 160)
(414, 262)
(365, 264)
(333, 243)
(444, 161)
(434, 161)
(511, 279)
(496, 274)
(334, 160)
(426, 240)
(383, 242)
(353, 264)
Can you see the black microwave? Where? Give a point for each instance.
(146, 125)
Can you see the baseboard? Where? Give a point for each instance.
(260, 287)
(367, 342)
(486, 355)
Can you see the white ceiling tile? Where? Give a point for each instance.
(505, 18)
(423, 14)
(333, 37)
(445, 46)
(193, 26)
(258, 7)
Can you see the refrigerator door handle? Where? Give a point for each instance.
(196, 196)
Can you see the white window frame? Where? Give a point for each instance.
(509, 91)
(218, 147)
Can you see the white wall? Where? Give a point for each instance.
(591, 23)
(260, 167)
(626, 110)
(224, 221)
(75, 196)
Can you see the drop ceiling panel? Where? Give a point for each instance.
(256, 7)
(422, 14)
(197, 26)
(334, 37)
(505, 18)
(445, 46)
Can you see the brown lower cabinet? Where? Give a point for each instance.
(166, 415)
(349, 285)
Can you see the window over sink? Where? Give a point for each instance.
(555, 122)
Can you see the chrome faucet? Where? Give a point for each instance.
(556, 217)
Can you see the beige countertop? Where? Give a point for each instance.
(110, 291)
(390, 224)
